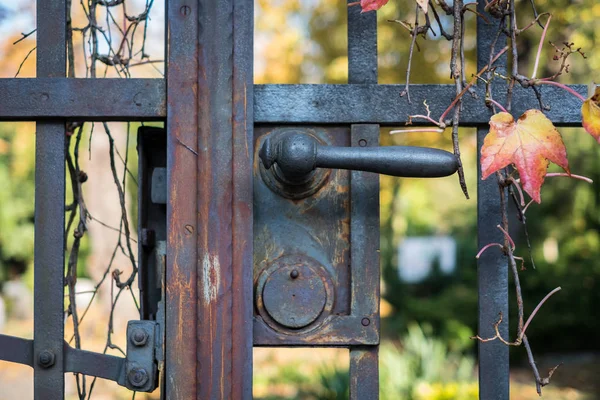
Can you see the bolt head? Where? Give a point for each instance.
(138, 377)
(139, 337)
(46, 359)
(365, 321)
(294, 274)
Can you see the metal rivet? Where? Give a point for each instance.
(139, 337)
(294, 274)
(137, 99)
(46, 359)
(45, 96)
(365, 321)
(362, 142)
(138, 377)
(185, 10)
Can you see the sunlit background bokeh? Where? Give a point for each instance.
(428, 228)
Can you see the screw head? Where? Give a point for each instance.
(294, 274)
(139, 337)
(46, 359)
(185, 10)
(138, 377)
(365, 321)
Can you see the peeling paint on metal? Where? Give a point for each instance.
(211, 270)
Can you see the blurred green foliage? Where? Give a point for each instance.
(564, 229)
(305, 41)
(419, 367)
(17, 157)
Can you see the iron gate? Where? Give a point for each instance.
(230, 269)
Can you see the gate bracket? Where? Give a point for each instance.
(138, 371)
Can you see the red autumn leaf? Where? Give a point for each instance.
(529, 144)
(372, 5)
(590, 114)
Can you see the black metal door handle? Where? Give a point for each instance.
(297, 155)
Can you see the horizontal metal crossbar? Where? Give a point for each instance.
(82, 99)
(20, 351)
(382, 104)
(145, 99)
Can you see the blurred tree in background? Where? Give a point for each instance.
(16, 200)
(306, 42)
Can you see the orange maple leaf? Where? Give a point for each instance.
(529, 144)
(590, 114)
(372, 5)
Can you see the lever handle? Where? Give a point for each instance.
(297, 155)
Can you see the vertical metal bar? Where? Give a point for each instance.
(182, 215)
(49, 260)
(224, 344)
(362, 46)
(364, 230)
(492, 269)
(492, 266)
(364, 248)
(243, 266)
(364, 373)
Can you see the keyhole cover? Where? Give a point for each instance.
(294, 295)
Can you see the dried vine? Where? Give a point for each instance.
(118, 33)
(513, 179)
(124, 36)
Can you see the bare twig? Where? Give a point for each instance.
(25, 36)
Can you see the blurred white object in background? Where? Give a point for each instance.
(416, 256)
(20, 299)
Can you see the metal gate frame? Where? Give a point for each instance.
(210, 105)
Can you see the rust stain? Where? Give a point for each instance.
(181, 289)
(246, 116)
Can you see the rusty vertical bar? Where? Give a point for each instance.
(224, 252)
(243, 126)
(182, 216)
(492, 266)
(49, 259)
(364, 248)
(364, 229)
(364, 374)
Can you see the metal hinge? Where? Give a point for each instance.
(138, 371)
(141, 369)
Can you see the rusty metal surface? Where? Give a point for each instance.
(291, 288)
(182, 216)
(243, 138)
(315, 231)
(364, 373)
(364, 218)
(294, 294)
(209, 113)
(364, 233)
(223, 343)
(49, 257)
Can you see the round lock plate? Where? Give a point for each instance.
(294, 296)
